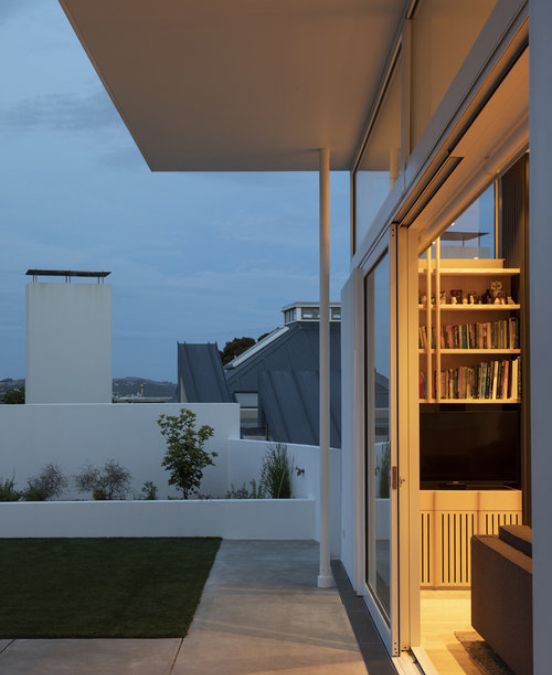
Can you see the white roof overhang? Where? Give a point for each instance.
(240, 85)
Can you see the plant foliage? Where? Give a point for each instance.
(243, 493)
(235, 347)
(49, 483)
(8, 492)
(149, 490)
(14, 396)
(186, 456)
(110, 482)
(276, 472)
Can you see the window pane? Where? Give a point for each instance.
(380, 161)
(444, 32)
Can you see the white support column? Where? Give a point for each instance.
(540, 282)
(325, 578)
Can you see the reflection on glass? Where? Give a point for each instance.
(381, 158)
(472, 234)
(378, 478)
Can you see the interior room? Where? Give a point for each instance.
(473, 414)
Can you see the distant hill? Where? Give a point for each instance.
(122, 386)
(140, 386)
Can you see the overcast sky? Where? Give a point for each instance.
(194, 257)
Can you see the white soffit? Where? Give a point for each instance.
(239, 85)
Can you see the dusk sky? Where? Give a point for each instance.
(194, 257)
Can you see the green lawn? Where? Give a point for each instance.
(88, 588)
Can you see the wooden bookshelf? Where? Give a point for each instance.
(443, 279)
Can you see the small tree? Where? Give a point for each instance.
(186, 456)
(49, 483)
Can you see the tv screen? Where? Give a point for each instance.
(470, 448)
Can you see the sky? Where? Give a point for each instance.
(194, 257)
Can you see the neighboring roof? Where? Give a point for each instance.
(65, 273)
(200, 373)
(285, 374)
(296, 350)
(307, 303)
(257, 347)
(236, 85)
(290, 405)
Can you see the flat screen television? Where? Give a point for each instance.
(470, 448)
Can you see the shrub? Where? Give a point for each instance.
(8, 493)
(111, 482)
(276, 472)
(383, 471)
(186, 456)
(49, 483)
(243, 493)
(149, 490)
(15, 396)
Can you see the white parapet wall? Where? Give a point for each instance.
(229, 519)
(73, 436)
(68, 343)
(245, 459)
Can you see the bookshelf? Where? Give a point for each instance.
(469, 330)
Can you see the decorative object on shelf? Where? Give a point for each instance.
(495, 290)
(443, 298)
(456, 296)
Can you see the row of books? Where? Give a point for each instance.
(491, 380)
(502, 334)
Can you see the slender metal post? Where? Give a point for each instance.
(325, 578)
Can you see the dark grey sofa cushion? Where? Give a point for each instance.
(502, 607)
(518, 536)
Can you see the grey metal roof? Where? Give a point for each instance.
(285, 373)
(295, 350)
(200, 374)
(290, 404)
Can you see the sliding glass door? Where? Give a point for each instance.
(380, 452)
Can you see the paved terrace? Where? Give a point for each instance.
(260, 613)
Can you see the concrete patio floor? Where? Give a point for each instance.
(260, 613)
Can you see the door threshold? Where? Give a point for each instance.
(425, 664)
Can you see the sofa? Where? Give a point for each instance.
(501, 594)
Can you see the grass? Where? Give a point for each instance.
(90, 588)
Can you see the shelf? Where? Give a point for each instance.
(471, 351)
(480, 272)
(479, 400)
(513, 401)
(473, 308)
(480, 351)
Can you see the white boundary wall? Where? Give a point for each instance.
(230, 519)
(74, 435)
(245, 460)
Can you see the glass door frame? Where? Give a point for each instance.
(388, 630)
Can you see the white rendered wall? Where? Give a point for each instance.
(75, 435)
(68, 343)
(230, 519)
(540, 283)
(245, 460)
